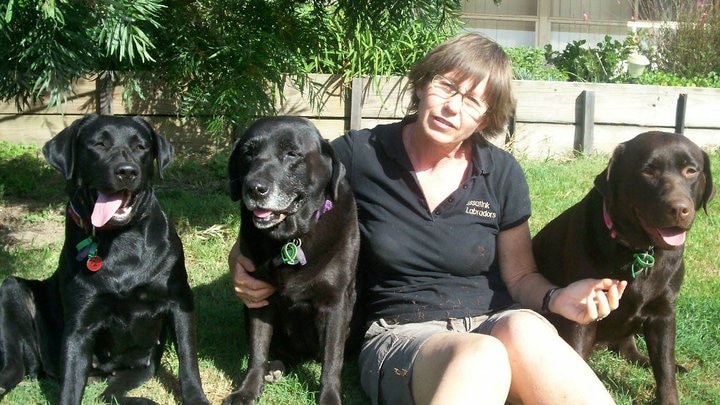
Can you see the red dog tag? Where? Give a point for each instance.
(94, 263)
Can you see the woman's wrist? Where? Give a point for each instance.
(547, 299)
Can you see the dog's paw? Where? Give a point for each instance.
(273, 376)
(276, 370)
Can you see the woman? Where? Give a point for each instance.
(447, 255)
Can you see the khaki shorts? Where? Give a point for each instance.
(389, 350)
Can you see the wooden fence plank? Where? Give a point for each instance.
(584, 122)
(81, 102)
(545, 109)
(653, 105)
(549, 102)
(385, 97)
(702, 107)
(356, 103)
(680, 113)
(324, 97)
(33, 128)
(624, 104)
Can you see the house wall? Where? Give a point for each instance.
(555, 22)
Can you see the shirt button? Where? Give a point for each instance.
(451, 199)
(465, 186)
(437, 212)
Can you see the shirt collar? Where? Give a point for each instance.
(390, 137)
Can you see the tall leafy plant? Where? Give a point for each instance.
(225, 61)
(230, 63)
(48, 45)
(370, 38)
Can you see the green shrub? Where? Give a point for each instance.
(529, 64)
(583, 63)
(660, 78)
(691, 49)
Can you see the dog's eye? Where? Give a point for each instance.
(101, 145)
(249, 151)
(140, 147)
(649, 171)
(292, 154)
(690, 171)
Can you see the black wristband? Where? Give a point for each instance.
(547, 298)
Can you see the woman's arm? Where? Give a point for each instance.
(250, 290)
(582, 301)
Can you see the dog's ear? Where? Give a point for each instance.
(338, 169)
(234, 170)
(604, 181)
(60, 150)
(709, 187)
(164, 151)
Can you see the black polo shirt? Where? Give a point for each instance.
(422, 265)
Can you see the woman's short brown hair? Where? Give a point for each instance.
(470, 57)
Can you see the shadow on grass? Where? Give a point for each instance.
(629, 383)
(25, 181)
(222, 339)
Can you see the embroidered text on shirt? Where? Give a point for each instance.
(479, 208)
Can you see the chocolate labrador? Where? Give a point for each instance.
(632, 226)
(299, 226)
(120, 287)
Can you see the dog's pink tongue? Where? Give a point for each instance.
(671, 237)
(260, 213)
(105, 207)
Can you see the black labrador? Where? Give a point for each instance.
(632, 226)
(120, 287)
(299, 225)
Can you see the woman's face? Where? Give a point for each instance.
(450, 111)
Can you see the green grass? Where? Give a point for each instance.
(193, 192)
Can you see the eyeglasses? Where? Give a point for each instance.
(446, 88)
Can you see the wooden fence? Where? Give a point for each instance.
(552, 118)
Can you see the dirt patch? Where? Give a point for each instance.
(29, 224)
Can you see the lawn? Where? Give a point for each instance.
(194, 194)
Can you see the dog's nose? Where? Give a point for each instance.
(258, 188)
(126, 173)
(682, 211)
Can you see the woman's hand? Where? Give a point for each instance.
(588, 300)
(252, 291)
